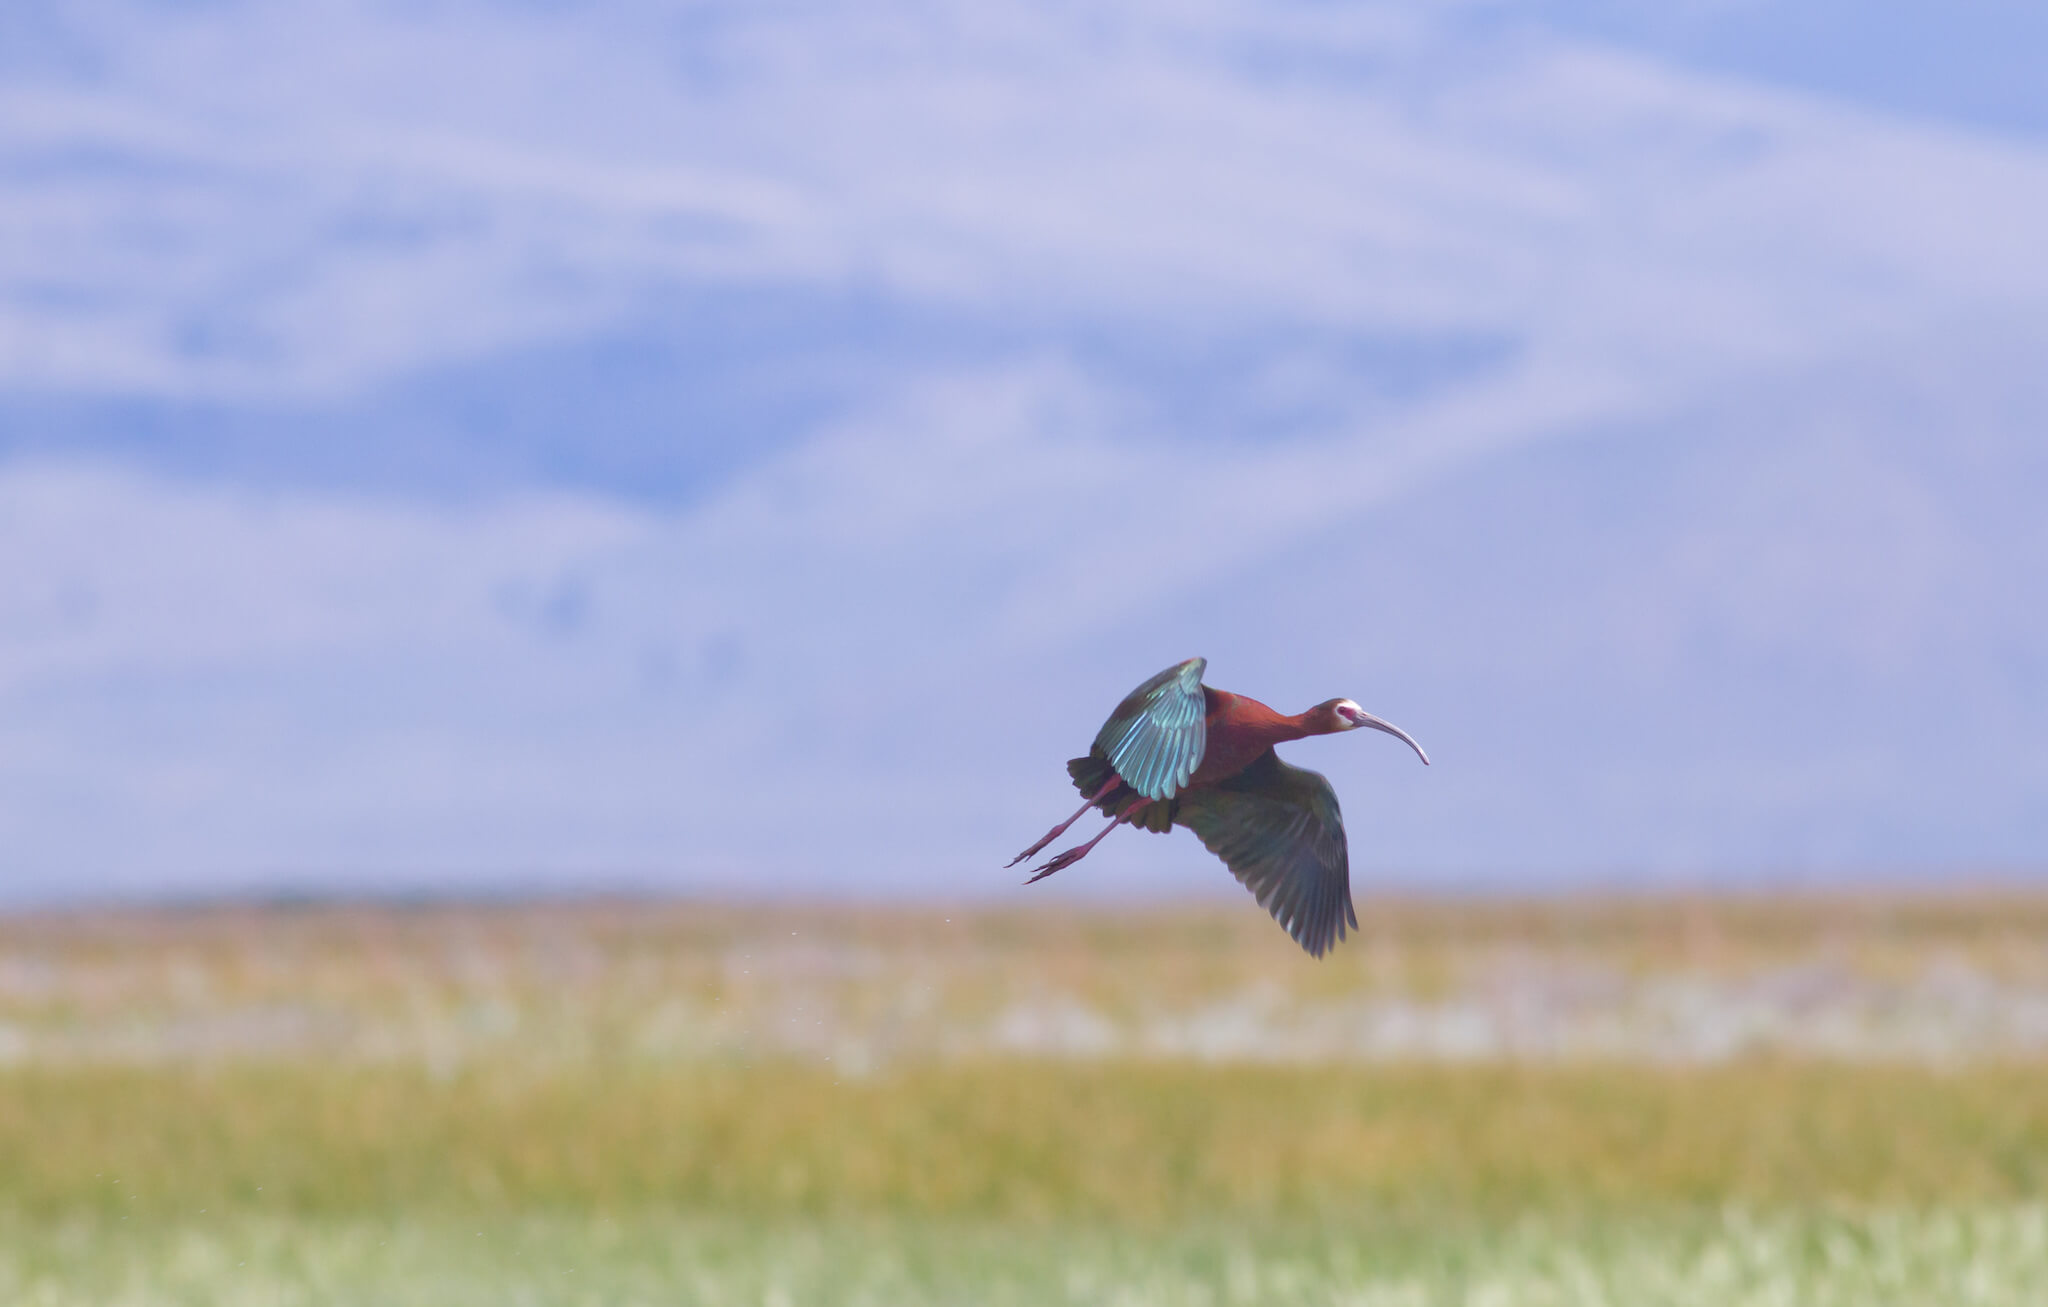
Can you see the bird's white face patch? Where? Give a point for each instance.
(1350, 714)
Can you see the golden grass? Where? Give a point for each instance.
(1137, 1143)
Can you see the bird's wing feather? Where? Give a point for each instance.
(1155, 737)
(1279, 831)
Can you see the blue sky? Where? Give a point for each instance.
(469, 445)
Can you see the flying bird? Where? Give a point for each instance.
(1177, 753)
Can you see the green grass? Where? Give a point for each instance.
(1988, 1257)
(1025, 1182)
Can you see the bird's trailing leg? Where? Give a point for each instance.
(1074, 855)
(1061, 829)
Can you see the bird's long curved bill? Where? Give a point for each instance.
(1381, 724)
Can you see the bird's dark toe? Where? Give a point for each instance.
(1067, 859)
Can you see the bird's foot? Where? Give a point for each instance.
(1033, 851)
(1061, 829)
(1064, 860)
(1079, 851)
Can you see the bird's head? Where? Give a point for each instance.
(1344, 715)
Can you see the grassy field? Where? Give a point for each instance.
(1805, 1101)
(1732, 1259)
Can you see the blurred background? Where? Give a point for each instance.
(553, 549)
(707, 447)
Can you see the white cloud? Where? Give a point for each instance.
(319, 198)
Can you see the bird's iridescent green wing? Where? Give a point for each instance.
(1155, 737)
(1279, 831)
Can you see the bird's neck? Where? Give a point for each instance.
(1254, 720)
(1312, 721)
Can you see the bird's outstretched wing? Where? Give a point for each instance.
(1279, 831)
(1155, 737)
